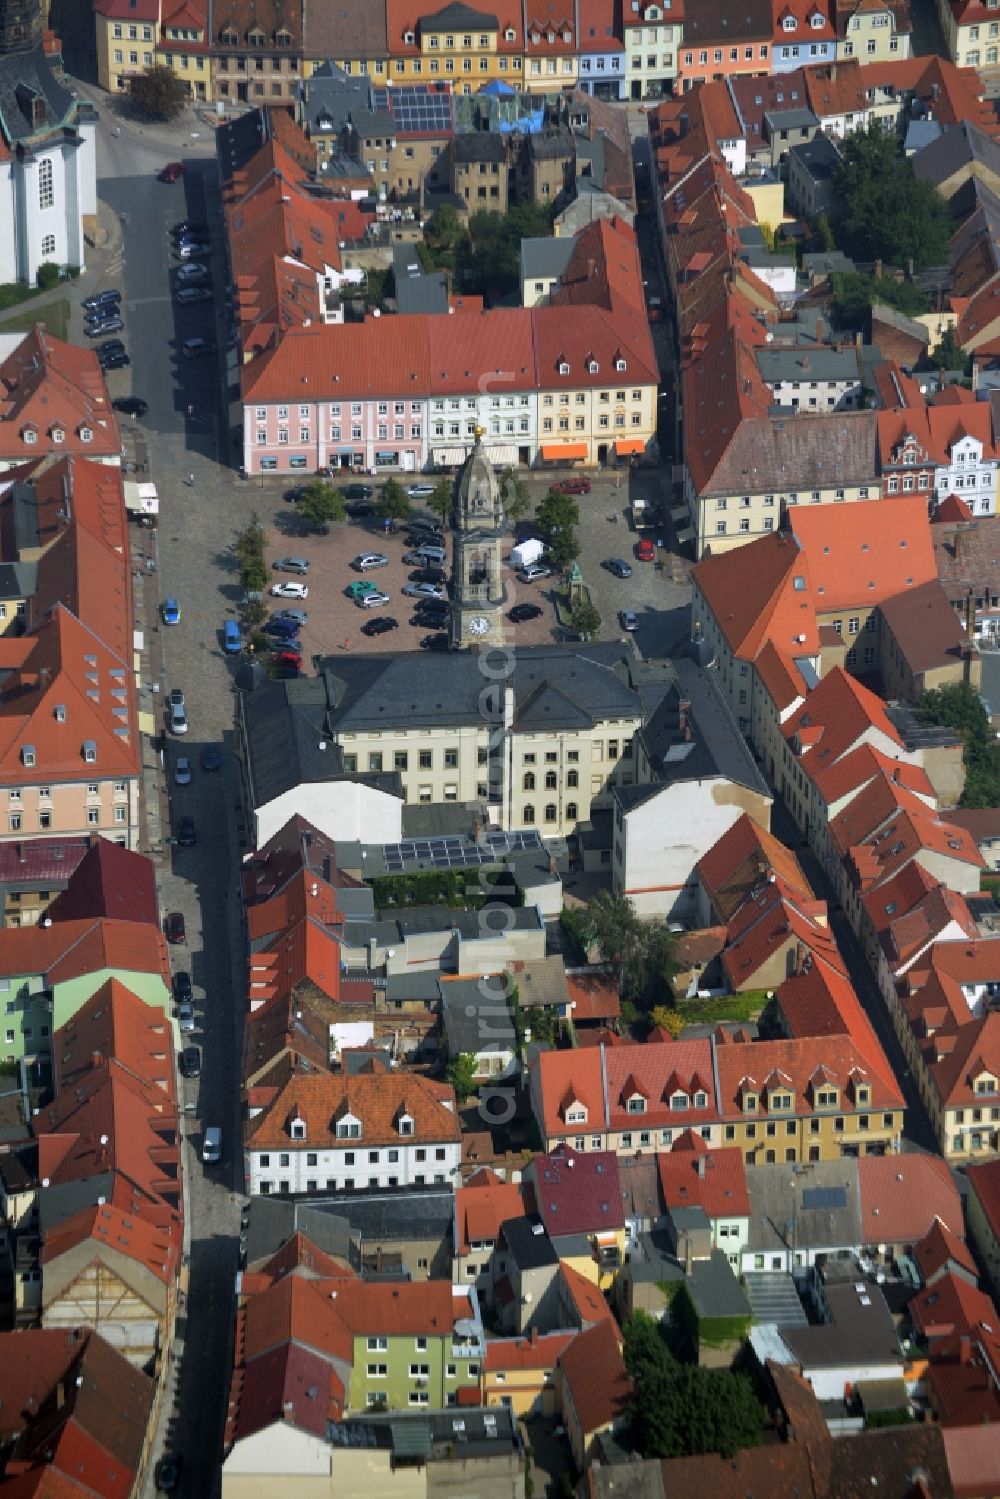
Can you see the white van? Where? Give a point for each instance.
(211, 1146)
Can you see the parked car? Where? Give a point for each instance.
(193, 275)
(177, 710)
(288, 656)
(424, 591)
(371, 600)
(522, 612)
(183, 775)
(357, 492)
(435, 643)
(188, 226)
(628, 619)
(106, 325)
(115, 362)
(171, 612)
(380, 626)
(360, 509)
(428, 575)
(232, 637)
(425, 556)
(423, 526)
(368, 560)
(282, 629)
(295, 616)
(194, 294)
(110, 298)
(572, 486)
(192, 250)
(290, 565)
(197, 348)
(131, 405)
(191, 1062)
(419, 491)
(185, 1018)
(112, 346)
(436, 608)
(172, 171)
(211, 757)
(211, 1145)
(618, 566)
(186, 835)
(645, 550)
(289, 591)
(534, 572)
(181, 985)
(173, 927)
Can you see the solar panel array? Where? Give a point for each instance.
(456, 853)
(824, 1197)
(416, 108)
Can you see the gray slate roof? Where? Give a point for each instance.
(475, 1017)
(955, 148)
(479, 146)
(815, 363)
(21, 75)
(345, 28)
(546, 256)
(530, 1250)
(818, 157)
(862, 1332)
(836, 449)
(784, 1211)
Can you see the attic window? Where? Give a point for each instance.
(577, 1114)
(591, 366)
(799, 584)
(86, 434)
(563, 367)
(90, 751)
(60, 712)
(567, 36)
(29, 435)
(620, 365)
(409, 38)
(678, 1100)
(636, 1104)
(298, 1129)
(58, 434)
(229, 38)
(283, 38)
(510, 34)
(701, 1100)
(28, 755)
(405, 1124)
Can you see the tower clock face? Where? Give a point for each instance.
(478, 625)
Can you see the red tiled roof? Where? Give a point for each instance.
(376, 1100)
(903, 1196)
(836, 716)
(115, 1023)
(768, 920)
(156, 1248)
(822, 1002)
(711, 1179)
(565, 1077)
(910, 933)
(47, 384)
(593, 996)
(287, 1384)
(952, 508)
(595, 1376)
(950, 1306)
(745, 855)
(481, 1207)
(577, 1193)
(939, 1248)
(581, 1300)
(111, 881)
(657, 1070)
(853, 563)
(751, 593)
(799, 1060)
(539, 1351)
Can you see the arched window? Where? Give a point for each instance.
(551, 815)
(529, 813)
(46, 193)
(529, 780)
(550, 780)
(571, 811)
(572, 778)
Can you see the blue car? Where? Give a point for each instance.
(282, 629)
(171, 612)
(232, 640)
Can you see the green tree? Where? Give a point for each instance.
(392, 502)
(444, 233)
(961, 708)
(668, 1019)
(584, 619)
(489, 260)
(461, 1073)
(253, 614)
(558, 517)
(888, 213)
(516, 495)
(47, 275)
(441, 501)
(248, 549)
(948, 354)
(680, 1410)
(319, 504)
(641, 951)
(854, 295)
(824, 234)
(158, 93)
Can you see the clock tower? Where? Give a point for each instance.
(477, 589)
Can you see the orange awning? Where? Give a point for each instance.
(553, 452)
(626, 445)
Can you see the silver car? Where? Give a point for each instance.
(185, 1018)
(368, 560)
(372, 600)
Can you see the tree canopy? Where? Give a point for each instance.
(888, 212)
(392, 502)
(854, 296)
(319, 504)
(681, 1410)
(558, 517)
(961, 708)
(641, 951)
(585, 620)
(461, 1073)
(158, 93)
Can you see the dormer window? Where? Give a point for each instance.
(620, 365)
(28, 755)
(89, 751)
(576, 1115)
(816, 20)
(86, 434)
(283, 38)
(29, 435)
(701, 1100)
(789, 23)
(550, 37)
(405, 1125)
(592, 366)
(348, 1128)
(863, 1095)
(60, 712)
(636, 1104)
(567, 36)
(510, 34)
(255, 38)
(678, 1100)
(409, 38)
(780, 1103)
(229, 38)
(985, 1083)
(563, 367)
(826, 1098)
(58, 434)
(298, 1129)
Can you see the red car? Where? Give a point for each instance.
(645, 550)
(172, 171)
(174, 927)
(287, 658)
(573, 486)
